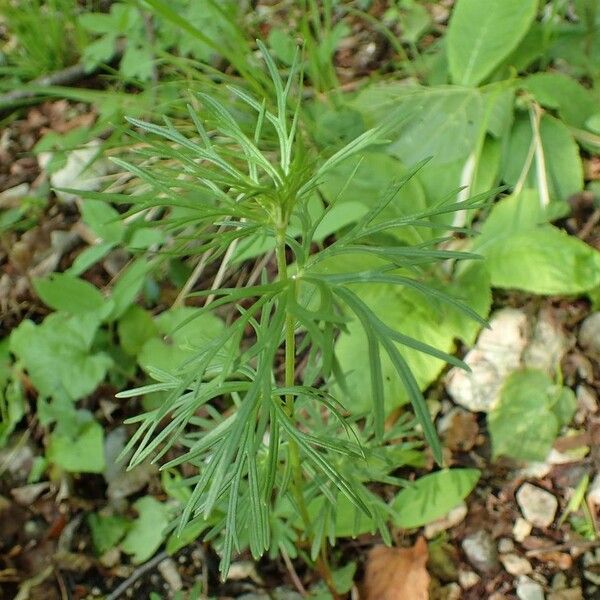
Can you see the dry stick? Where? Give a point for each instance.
(293, 575)
(63, 77)
(147, 566)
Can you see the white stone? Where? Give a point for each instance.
(496, 354)
(589, 333)
(168, 569)
(82, 171)
(515, 564)
(453, 518)
(527, 589)
(548, 344)
(593, 494)
(521, 529)
(505, 545)
(467, 579)
(537, 505)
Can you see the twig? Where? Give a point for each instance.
(566, 546)
(147, 566)
(293, 575)
(589, 225)
(63, 77)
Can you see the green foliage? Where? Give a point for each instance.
(58, 354)
(147, 532)
(260, 457)
(482, 34)
(529, 401)
(433, 496)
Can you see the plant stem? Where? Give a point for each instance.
(290, 365)
(322, 564)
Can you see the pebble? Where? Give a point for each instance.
(481, 551)
(496, 354)
(168, 569)
(527, 589)
(453, 518)
(537, 505)
(521, 529)
(548, 344)
(515, 564)
(593, 495)
(589, 333)
(467, 579)
(505, 545)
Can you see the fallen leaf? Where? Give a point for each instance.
(397, 573)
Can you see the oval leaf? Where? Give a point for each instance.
(433, 496)
(482, 34)
(62, 291)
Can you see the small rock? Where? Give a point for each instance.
(548, 344)
(481, 551)
(593, 495)
(111, 558)
(28, 494)
(559, 581)
(496, 354)
(527, 589)
(537, 505)
(571, 594)
(244, 569)
(168, 569)
(451, 591)
(589, 333)
(467, 579)
(453, 518)
(586, 399)
(521, 529)
(505, 545)
(82, 171)
(515, 564)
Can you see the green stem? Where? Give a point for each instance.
(290, 367)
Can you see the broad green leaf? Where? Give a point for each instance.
(441, 122)
(137, 62)
(482, 34)
(524, 253)
(411, 314)
(147, 532)
(545, 260)
(432, 496)
(563, 168)
(128, 287)
(103, 219)
(57, 354)
(82, 453)
(107, 531)
(135, 328)
(67, 293)
(528, 417)
(375, 173)
(90, 256)
(349, 521)
(574, 103)
(168, 353)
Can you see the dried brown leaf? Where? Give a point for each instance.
(397, 573)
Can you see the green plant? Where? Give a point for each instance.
(48, 37)
(279, 458)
